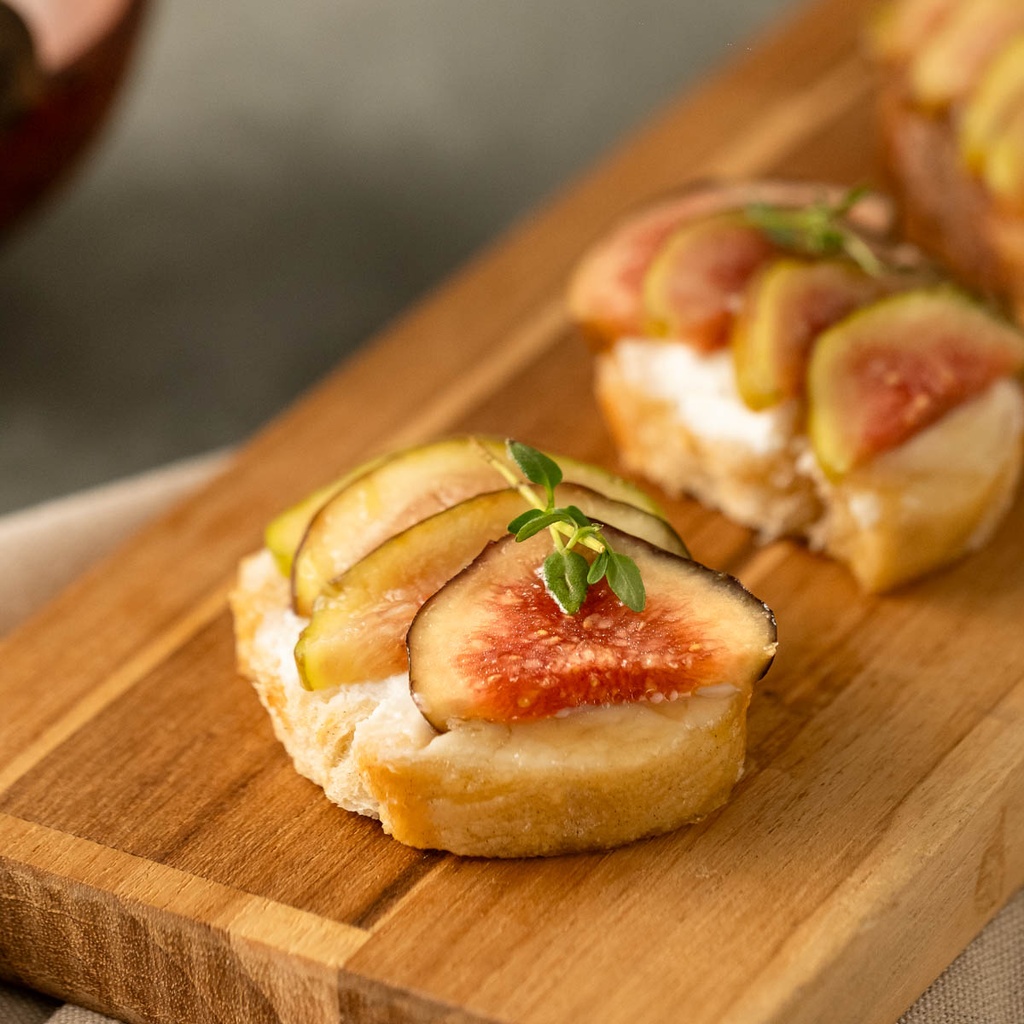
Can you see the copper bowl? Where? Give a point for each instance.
(62, 63)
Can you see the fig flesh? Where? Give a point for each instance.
(1003, 171)
(493, 645)
(697, 281)
(788, 304)
(284, 533)
(404, 488)
(359, 623)
(902, 26)
(952, 61)
(892, 369)
(606, 291)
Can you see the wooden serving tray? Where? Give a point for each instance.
(161, 861)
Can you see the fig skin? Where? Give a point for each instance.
(891, 370)
(947, 68)
(605, 295)
(493, 645)
(359, 623)
(789, 303)
(406, 486)
(698, 280)
(993, 105)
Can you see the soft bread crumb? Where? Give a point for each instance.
(935, 498)
(596, 778)
(712, 446)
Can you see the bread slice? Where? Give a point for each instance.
(592, 779)
(676, 418)
(944, 207)
(929, 362)
(937, 61)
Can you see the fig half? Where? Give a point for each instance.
(888, 371)
(360, 621)
(494, 645)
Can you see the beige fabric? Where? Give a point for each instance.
(985, 985)
(20, 1006)
(45, 547)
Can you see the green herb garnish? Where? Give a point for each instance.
(567, 573)
(820, 229)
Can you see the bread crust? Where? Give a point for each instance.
(903, 514)
(944, 208)
(760, 489)
(594, 779)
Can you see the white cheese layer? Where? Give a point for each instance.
(702, 390)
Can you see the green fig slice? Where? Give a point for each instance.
(493, 645)
(788, 304)
(406, 487)
(285, 531)
(605, 295)
(359, 623)
(1003, 171)
(952, 61)
(900, 27)
(696, 283)
(897, 366)
(991, 107)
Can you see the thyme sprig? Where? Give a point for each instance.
(568, 575)
(820, 229)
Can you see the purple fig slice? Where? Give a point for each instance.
(494, 645)
(359, 623)
(897, 366)
(406, 487)
(788, 304)
(696, 283)
(606, 291)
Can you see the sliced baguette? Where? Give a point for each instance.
(593, 779)
(903, 513)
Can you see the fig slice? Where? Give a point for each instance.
(493, 645)
(1003, 172)
(406, 487)
(900, 27)
(897, 366)
(950, 63)
(359, 623)
(991, 107)
(696, 283)
(285, 531)
(788, 304)
(605, 295)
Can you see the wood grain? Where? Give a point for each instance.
(160, 859)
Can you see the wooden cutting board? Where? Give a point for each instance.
(160, 860)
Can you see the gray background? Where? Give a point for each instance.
(282, 178)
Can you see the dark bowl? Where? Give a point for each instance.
(56, 90)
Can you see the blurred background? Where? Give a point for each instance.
(277, 180)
